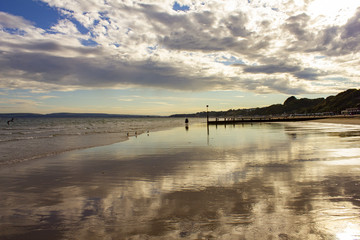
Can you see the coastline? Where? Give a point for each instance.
(353, 120)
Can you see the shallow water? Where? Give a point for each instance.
(260, 181)
(29, 138)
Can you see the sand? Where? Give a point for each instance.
(341, 120)
(251, 181)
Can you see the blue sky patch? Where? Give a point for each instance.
(79, 26)
(103, 16)
(15, 31)
(152, 49)
(340, 79)
(88, 42)
(39, 13)
(230, 61)
(178, 7)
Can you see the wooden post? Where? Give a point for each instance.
(207, 114)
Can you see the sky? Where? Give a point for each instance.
(165, 57)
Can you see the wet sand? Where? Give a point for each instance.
(254, 181)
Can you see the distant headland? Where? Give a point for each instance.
(332, 105)
(72, 115)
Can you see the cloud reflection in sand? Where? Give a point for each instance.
(268, 181)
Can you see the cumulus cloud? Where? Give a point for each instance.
(111, 44)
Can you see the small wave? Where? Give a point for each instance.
(24, 138)
(43, 155)
(6, 133)
(21, 160)
(26, 133)
(67, 134)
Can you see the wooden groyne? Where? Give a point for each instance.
(262, 119)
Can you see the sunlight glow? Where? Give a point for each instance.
(349, 233)
(335, 12)
(230, 6)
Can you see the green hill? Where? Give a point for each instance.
(335, 104)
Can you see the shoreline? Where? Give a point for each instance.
(338, 119)
(15, 152)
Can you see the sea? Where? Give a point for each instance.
(29, 138)
(293, 180)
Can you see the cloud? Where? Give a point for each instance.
(297, 25)
(352, 27)
(15, 22)
(47, 97)
(272, 68)
(267, 47)
(18, 103)
(308, 74)
(158, 103)
(125, 99)
(296, 71)
(94, 72)
(332, 41)
(267, 85)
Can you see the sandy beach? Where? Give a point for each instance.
(341, 120)
(251, 181)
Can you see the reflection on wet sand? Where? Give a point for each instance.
(261, 181)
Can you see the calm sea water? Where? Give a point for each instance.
(260, 181)
(29, 138)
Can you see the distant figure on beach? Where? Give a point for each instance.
(11, 120)
(186, 121)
